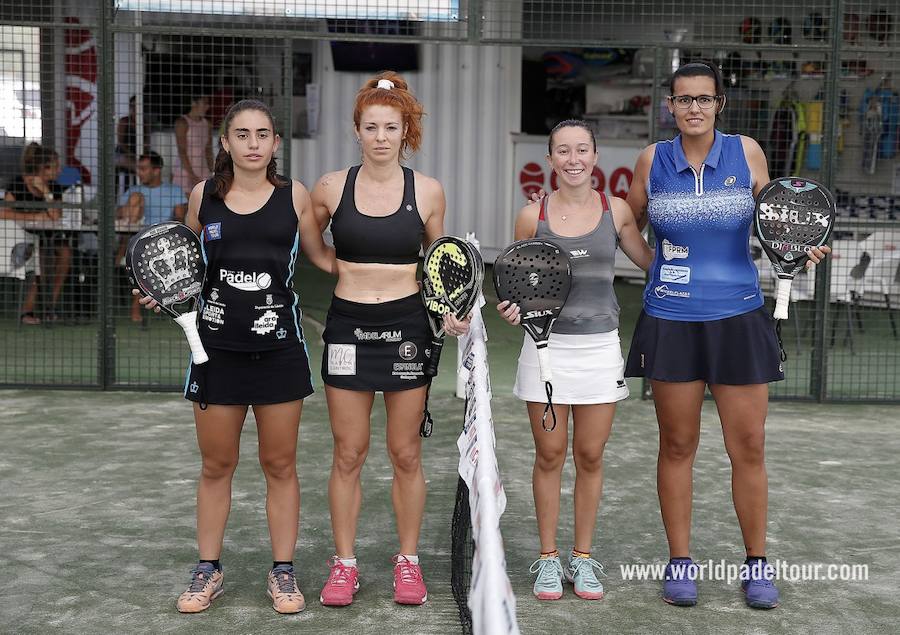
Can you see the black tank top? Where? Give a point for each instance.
(393, 239)
(248, 302)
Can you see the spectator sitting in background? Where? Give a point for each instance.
(37, 184)
(150, 202)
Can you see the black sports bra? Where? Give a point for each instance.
(392, 239)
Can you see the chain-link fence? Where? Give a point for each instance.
(109, 112)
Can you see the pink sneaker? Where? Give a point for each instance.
(409, 587)
(206, 586)
(341, 586)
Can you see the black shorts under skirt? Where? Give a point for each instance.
(739, 350)
(376, 347)
(239, 378)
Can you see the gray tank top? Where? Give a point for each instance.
(591, 306)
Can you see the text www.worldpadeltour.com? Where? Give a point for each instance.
(733, 572)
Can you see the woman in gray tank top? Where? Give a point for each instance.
(586, 357)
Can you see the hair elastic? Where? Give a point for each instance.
(385, 84)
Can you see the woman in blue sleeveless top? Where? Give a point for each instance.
(585, 352)
(703, 322)
(251, 221)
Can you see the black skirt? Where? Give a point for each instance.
(376, 347)
(239, 378)
(739, 350)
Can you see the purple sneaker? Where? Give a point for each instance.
(680, 582)
(759, 590)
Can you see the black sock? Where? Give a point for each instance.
(275, 563)
(751, 559)
(214, 563)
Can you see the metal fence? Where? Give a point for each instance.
(101, 83)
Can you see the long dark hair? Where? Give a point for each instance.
(224, 169)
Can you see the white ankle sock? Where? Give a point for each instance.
(348, 562)
(414, 559)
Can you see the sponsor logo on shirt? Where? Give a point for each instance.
(213, 231)
(662, 291)
(244, 281)
(265, 323)
(214, 294)
(384, 336)
(674, 273)
(281, 333)
(730, 181)
(672, 251)
(213, 314)
(579, 253)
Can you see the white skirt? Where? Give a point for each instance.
(587, 369)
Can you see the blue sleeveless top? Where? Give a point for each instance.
(702, 269)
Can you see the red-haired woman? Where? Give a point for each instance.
(251, 221)
(376, 335)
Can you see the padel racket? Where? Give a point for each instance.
(536, 275)
(451, 281)
(165, 262)
(793, 215)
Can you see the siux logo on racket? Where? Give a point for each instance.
(530, 315)
(785, 214)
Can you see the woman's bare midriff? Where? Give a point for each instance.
(373, 282)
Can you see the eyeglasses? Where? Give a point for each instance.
(684, 102)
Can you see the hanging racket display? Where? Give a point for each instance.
(536, 275)
(792, 216)
(165, 262)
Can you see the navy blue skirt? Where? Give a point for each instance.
(738, 350)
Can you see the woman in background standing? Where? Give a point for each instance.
(193, 136)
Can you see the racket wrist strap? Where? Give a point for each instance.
(782, 354)
(548, 409)
(427, 425)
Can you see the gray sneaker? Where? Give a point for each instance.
(580, 572)
(548, 585)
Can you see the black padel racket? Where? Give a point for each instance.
(165, 261)
(451, 281)
(537, 275)
(793, 215)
